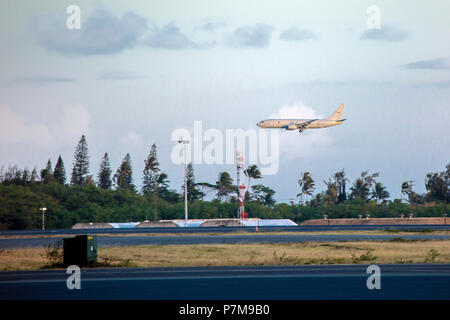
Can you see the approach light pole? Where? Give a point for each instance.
(185, 142)
(43, 217)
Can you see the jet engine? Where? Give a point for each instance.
(291, 126)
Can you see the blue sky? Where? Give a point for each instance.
(136, 71)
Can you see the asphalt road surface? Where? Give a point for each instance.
(226, 229)
(108, 241)
(405, 281)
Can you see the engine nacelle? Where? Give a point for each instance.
(291, 126)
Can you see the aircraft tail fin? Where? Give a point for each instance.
(337, 115)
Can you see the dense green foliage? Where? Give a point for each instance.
(80, 168)
(22, 193)
(68, 205)
(104, 174)
(124, 175)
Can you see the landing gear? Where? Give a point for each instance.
(300, 130)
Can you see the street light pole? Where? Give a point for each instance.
(43, 217)
(185, 142)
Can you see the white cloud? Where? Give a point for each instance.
(294, 145)
(74, 122)
(15, 130)
(20, 137)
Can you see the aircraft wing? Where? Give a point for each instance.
(304, 125)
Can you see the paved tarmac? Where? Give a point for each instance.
(109, 241)
(226, 229)
(404, 281)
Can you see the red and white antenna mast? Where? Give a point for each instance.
(241, 188)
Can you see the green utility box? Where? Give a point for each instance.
(80, 251)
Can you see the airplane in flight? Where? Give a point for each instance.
(303, 124)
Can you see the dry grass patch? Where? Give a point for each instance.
(277, 254)
(365, 252)
(22, 259)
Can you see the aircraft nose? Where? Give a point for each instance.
(259, 124)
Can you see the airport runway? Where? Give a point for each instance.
(225, 229)
(108, 241)
(405, 281)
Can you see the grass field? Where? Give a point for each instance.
(393, 251)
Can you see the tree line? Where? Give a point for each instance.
(113, 197)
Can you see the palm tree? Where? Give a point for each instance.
(252, 172)
(360, 190)
(340, 181)
(405, 187)
(263, 194)
(161, 182)
(224, 185)
(379, 192)
(406, 190)
(306, 184)
(318, 200)
(332, 191)
(361, 187)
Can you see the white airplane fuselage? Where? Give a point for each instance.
(284, 123)
(303, 124)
